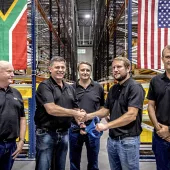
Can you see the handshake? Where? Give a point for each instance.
(80, 116)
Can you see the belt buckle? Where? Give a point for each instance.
(58, 130)
(120, 137)
(42, 130)
(4, 140)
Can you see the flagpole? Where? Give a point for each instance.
(33, 60)
(130, 30)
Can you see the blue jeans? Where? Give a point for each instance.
(76, 141)
(6, 151)
(124, 154)
(161, 149)
(51, 146)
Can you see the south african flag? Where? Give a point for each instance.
(13, 32)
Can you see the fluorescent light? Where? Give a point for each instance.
(87, 16)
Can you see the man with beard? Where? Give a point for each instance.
(158, 109)
(125, 103)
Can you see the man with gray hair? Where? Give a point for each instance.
(56, 106)
(12, 118)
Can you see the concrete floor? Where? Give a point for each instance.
(26, 164)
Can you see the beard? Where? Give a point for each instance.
(121, 78)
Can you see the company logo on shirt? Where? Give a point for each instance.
(69, 92)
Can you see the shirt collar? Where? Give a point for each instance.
(164, 76)
(54, 82)
(8, 89)
(91, 83)
(126, 82)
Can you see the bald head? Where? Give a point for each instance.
(6, 74)
(4, 64)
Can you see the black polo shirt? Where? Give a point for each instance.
(91, 98)
(11, 109)
(120, 97)
(50, 92)
(159, 91)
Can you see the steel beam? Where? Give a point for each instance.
(48, 23)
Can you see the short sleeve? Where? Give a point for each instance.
(44, 94)
(151, 94)
(136, 96)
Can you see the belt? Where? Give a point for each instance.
(52, 130)
(8, 140)
(121, 137)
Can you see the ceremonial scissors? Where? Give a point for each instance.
(91, 128)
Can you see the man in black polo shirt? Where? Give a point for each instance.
(56, 103)
(90, 96)
(125, 103)
(159, 113)
(12, 118)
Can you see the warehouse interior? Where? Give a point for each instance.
(91, 30)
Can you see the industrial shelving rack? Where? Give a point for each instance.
(50, 33)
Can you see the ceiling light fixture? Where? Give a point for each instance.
(87, 16)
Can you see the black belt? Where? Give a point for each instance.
(8, 140)
(121, 136)
(43, 130)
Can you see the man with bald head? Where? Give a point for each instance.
(12, 118)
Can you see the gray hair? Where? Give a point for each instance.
(57, 59)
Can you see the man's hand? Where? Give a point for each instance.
(158, 127)
(20, 145)
(83, 132)
(163, 132)
(167, 139)
(81, 116)
(107, 118)
(101, 127)
(84, 119)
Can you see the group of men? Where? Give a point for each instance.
(63, 111)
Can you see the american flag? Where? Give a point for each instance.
(153, 32)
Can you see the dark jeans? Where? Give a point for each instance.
(6, 151)
(51, 146)
(161, 149)
(76, 141)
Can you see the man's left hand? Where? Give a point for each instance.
(163, 132)
(20, 145)
(101, 127)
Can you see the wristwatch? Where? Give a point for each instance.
(24, 140)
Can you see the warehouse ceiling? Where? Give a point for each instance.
(85, 11)
(86, 15)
